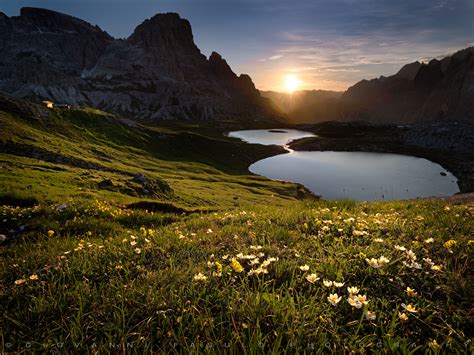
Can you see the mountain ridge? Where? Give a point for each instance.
(156, 73)
(437, 90)
(442, 89)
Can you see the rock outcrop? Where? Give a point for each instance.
(157, 73)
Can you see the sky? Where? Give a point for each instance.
(320, 44)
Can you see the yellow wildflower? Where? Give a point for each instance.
(304, 267)
(411, 292)
(218, 271)
(433, 344)
(409, 308)
(50, 233)
(34, 277)
(450, 244)
(236, 266)
(402, 316)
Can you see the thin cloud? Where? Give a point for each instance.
(276, 57)
(272, 58)
(343, 70)
(302, 69)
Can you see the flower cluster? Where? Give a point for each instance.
(357, 301)
(377, 263)
(248, 264)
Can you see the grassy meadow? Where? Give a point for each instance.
(94, 258)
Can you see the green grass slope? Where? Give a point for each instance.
(70, 152)
(202, 256)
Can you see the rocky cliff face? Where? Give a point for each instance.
(157, 73)
(439, 90)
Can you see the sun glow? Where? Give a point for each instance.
(292, 83)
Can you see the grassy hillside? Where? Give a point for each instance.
(70, 152)
(198, 255)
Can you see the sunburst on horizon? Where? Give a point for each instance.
(292, 83)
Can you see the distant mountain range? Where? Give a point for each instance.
(157, 73)
(303, 106)
(306, 106)
(438, 90)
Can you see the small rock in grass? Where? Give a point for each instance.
(139, 177)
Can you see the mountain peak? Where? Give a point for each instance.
(167, 16)
(220, 67)
(163, 31)
(409, 71)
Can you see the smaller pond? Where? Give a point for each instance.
(362, 176)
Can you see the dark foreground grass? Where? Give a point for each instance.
(97, 278)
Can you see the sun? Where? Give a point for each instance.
(292, 83)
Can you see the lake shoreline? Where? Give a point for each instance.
(387, 140)
(273, 167)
